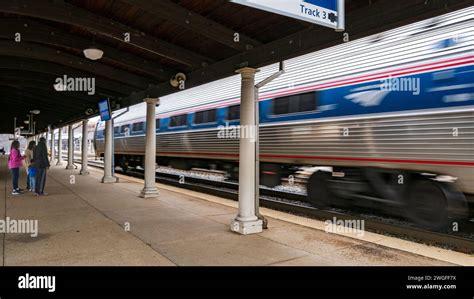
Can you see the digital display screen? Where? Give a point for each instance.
(104, 110)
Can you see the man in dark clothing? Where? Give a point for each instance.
(41, 163)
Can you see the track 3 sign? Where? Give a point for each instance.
(329, 13)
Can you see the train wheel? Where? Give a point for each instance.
(427, 205)
(319, 194)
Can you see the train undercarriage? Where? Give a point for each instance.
(431, 201)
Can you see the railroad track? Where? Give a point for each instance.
(296, 203)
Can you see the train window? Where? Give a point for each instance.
(203, 117)
(116, 130)
(157, 124)
(295, 103)
(138, 127)
(233, 112)
(124, 129)
(178, 120)
(100, 133)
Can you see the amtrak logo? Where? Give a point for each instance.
(367, 96)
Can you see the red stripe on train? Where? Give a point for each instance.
(459, 163)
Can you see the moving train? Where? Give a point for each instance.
(387, 121)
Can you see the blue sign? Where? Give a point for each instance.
(328, 4)
(329, 13)
(104, 110)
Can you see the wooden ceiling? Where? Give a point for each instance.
(166, 37)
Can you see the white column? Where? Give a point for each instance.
(70, 148)
(60, 147)
(84, 170)
(109, 139)
(247, 221)
(149, 190)
(52, 148)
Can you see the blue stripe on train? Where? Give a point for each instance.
(440, 89)
(355, 99)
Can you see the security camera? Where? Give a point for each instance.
(176, 79)
(89, 111)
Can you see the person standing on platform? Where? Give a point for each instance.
(15, 161)
(41, 163)
(29, 166)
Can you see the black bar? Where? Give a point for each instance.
(245, 282)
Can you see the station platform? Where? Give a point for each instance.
(84, 222)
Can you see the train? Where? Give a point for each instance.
(385, 121)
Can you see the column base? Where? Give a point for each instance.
(59, 163)
(84, 172)
(70, 167)
(149, 193)
(109, 179)
(246, 227)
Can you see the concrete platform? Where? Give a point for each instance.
(86, 223)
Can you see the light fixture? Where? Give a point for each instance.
(26, 122)
(177, 79)
(35, 112)
(93, 53)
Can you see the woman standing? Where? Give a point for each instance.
(29, 166)
(14, 163)
(41, 163)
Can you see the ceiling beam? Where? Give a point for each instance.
(35, 51)
(21, 105)
(54, 106)
(43, 67)
(32, 31)
(312, 39)
(46, 82)
(42, 120)
(62, 12)
(190, 20)
(49, 100)
(50, 115)
(32, 85)
(35, 103)
(57, 98)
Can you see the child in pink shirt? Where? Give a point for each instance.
(15, 162)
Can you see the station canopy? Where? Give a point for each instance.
(146, 43)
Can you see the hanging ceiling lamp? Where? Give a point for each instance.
(93, 53)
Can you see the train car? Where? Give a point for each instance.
(388, 119)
